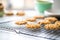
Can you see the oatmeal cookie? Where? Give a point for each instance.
(58, 23)
(39, 17)
(51, 27)
(44, 22)
(33, 26)
(20, 22)
(52, 19)
(20, 14)
(31, 19)
(9, 14)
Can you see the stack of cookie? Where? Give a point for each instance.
(1, 10)
(1, 7)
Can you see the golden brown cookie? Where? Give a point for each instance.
(20, 22)
(51, 27)
(58, 23)
(52, 19)
(9, 14)
(39, 17)
(33, 26)
(44, 22)
(31, 19)
(20, 14)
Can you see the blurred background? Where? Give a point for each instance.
(20, 4)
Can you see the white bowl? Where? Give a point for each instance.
(51, 13)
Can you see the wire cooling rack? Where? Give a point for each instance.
(40, 33)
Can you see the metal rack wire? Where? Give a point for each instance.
(10, 29)
(51, 35)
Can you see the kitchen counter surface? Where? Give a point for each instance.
(6, 35)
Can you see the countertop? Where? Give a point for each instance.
(6, 35)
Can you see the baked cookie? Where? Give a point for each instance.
(33, 26)
(39, 17)
(31, 19)
(58, 23)
(52, 19)
(20, 14)
(20, 22)
(44, 22)
(9, 14)
(51, 27)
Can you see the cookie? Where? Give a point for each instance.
(9, 14)
(58, 23)
(32, 26)
(39, 17)
(44, 22)
(52, 19)
(20, 14)
(31, 19)
(51, 27)
(20, 22)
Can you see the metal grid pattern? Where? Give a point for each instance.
(53, 35)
